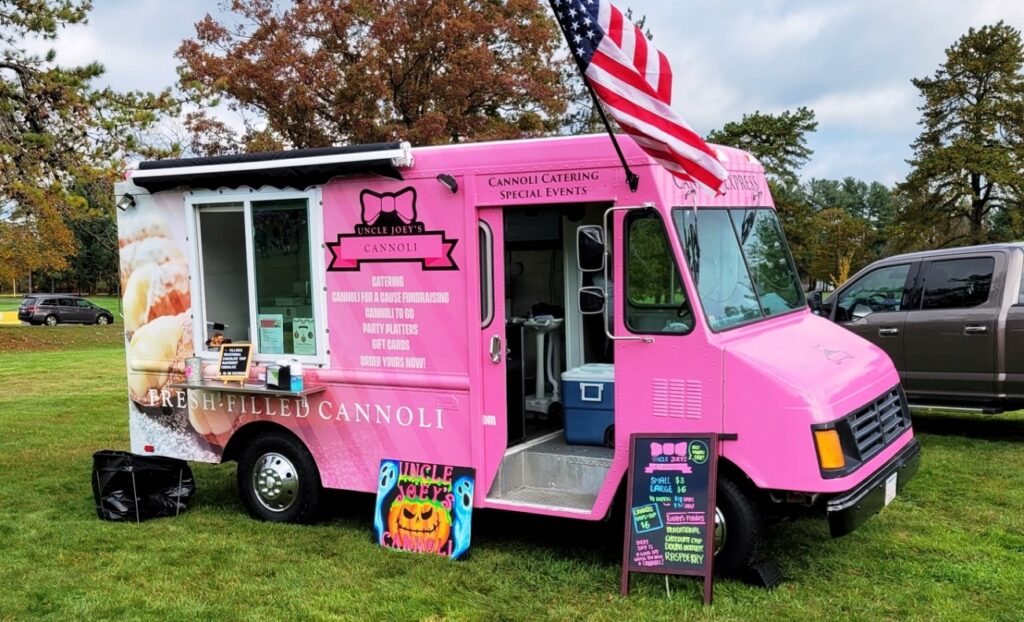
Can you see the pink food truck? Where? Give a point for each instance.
(510, 308)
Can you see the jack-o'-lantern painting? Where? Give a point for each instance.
(420, 525)
(424, 508)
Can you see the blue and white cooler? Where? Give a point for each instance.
(588, 400)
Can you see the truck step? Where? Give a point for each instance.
(552, 474)
(548, 498)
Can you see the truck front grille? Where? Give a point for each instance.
(879, 423)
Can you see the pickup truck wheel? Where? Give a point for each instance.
(278, 480)
(738, 529)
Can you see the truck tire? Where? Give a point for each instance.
(278, 479)
(741, 526)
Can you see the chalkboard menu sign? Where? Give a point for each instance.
(234, 362)
(670, 516)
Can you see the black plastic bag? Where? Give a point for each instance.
(128, 487)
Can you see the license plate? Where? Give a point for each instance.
(890, 488)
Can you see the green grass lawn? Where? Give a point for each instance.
(950, 547)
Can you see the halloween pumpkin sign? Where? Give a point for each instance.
(424, 508)
(420, 525)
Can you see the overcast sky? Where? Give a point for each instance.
(851, 61)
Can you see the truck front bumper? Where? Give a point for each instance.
(849, 510)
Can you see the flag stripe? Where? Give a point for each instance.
(665, 71)
(703, 164)
(615, 27)
(640, 105)
(692, 170)
(614, 66)
(633, 80)
(640, 56)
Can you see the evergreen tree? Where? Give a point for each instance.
(778, 141)
(969, 158)
(57, 130)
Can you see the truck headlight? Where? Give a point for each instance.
(830, 449)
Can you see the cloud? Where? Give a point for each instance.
(882, 109)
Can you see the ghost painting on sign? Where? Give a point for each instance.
(424, 508)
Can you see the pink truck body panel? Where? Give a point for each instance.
(422, 386)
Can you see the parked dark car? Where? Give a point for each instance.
(952, 321)
(53, 309)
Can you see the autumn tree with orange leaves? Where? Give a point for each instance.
(326, 72)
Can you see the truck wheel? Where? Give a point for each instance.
(738, 529)
(278, 480)
(51, 320)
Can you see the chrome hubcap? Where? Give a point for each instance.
(102, 320)
(275, 482)
(51, 321)
(719, 531)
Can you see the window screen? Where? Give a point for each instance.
(958, 283)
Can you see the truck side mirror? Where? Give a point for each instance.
(590, 248)
(591, 300)
(814, 302)
(861, 311)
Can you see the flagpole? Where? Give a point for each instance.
(631, 178)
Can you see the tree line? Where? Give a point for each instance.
(328, 72)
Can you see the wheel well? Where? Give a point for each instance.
(245, 434)
(728, 469)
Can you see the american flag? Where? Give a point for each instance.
(634, 82)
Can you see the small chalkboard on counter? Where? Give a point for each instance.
(234, 362)
(670, 516)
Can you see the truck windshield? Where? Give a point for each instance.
(740, 263)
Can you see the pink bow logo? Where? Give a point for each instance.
(668, 449)
(375, 204)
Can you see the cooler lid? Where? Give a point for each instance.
(591, 372)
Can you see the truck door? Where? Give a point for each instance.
(664, 372)
(492, 337)
(950, 340)
(875, 307)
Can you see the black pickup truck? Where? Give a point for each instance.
(952, 321)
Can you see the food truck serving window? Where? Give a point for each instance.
(740, 263)
(257, 274)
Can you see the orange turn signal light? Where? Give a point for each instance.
(830, 450)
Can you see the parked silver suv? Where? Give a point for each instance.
(53, 309)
